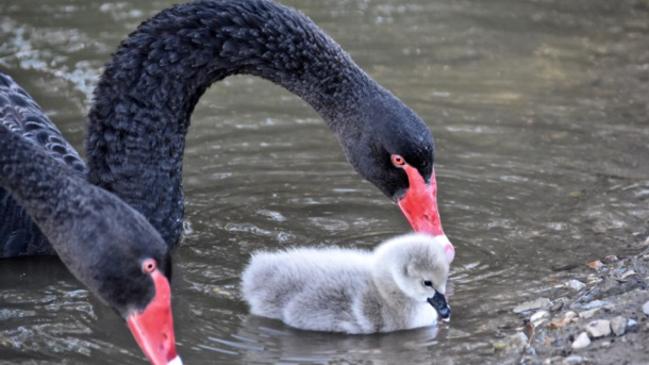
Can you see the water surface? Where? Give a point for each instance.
(540, 114)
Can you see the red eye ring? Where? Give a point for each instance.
(398, 161)
(149, 266)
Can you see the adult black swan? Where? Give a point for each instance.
(107, 245)
(146, 95)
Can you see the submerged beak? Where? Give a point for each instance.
(438, 301)
(419, 205)
(153, 328)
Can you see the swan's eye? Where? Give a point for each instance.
(148, 266)
(428, 283)
(397, 161)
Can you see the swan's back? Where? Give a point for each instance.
(22, 116)
(272, 279)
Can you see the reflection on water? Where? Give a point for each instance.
(540, 113)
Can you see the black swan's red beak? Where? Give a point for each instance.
(153, 328)
(419, 205)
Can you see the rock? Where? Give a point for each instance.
(540, 303)
(582, 341)
(599, 328)
(588, 314)
(573, 360)
(518, 340)
(593, 279)
(645, 308)
(627, 274)
(618, 325)
(539, 317)
(594, 304)
(610, 259)
(631, 324)
(575, 284)
(515, 343)
(595, 265)
(561, 322)
(558, 303)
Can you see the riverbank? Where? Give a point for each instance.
(598, 316)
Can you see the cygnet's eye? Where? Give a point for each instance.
(428, 283)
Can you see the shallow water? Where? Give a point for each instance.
(540, 113)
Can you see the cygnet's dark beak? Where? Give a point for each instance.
(438, 301)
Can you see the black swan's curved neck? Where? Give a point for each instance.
(144, 100)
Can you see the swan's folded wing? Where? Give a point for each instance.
(19, 236)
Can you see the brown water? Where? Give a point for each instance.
(541, 115)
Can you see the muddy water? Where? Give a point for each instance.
(539, 110)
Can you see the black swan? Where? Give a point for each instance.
(107, 245)
(146, 95)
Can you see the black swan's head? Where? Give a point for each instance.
(109, 246)
(393, 149)
(129, 268)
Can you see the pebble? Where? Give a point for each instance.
(558, 303)
(599, 328)
(581, 341)
(595, 265)
(618, 325)
(539, 317)
(575, 284)
(532, 305)
(588, 314)
(645, 308)
(573, 360)
(518, 340)
(595, 304)
(610, 259)
(627, 274)
(631, 324)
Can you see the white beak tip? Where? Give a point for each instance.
(175, 361)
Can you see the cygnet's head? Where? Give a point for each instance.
(419, 266)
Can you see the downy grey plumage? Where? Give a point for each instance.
(349, 290)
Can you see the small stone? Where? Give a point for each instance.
(518, 341)
(539, 317)
(581, 341)
(631, 324)
(618, 325)
(594, 304)
(595, 265)
(575, 284)
(605, 344)
(533, 305)
(557, 304)
(561, 322)
(593, 279)
(573, 360)
(610, 259)
(499, 346)
(599, 328)
(588, 314)
(627, 274)
(645, 308)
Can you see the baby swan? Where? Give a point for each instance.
(400, 285)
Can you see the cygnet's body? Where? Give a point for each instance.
(351, 291)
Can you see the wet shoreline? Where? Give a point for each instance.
(600, 315)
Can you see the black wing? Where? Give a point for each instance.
(19, 236)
